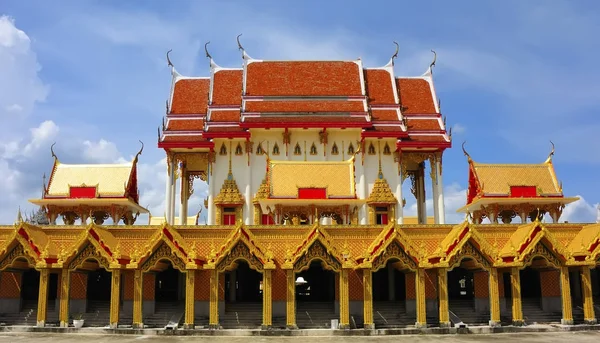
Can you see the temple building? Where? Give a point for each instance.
(303, 162)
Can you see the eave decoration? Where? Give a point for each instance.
(318, 245)
(240, 245)
(29, 243)
(93, 243)
(381, 193)
(585, 247)
(391, 243)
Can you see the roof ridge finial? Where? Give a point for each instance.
(229, 172)
(549, 159)
(240, 47)
(466, 153)
(19, 216)
(44, 185)
(395, 53)
(169, 63)
(207, 53)
(139, 152)
(380, 173)
(432, 64)
(52, 152)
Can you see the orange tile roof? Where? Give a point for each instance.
(428, 138)
(190, 96)
(306, 78)
(415, 96)
(423, 125)
(227, 88)
(384, 115)
(225, 116)
(216, 128)
(304, 106)
(379, 87)
(185, 125)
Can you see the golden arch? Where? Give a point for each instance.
(89, 252)
(394, 251)
(16, 253)
(163, 252)
(317, 251)
(469, 251)
(240, 251)
(541, 250)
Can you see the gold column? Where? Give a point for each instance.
(267, 299)
(43, 297)
(257, 214)
(494, 297)
(421, 306)
(368, 299)
(344, 300)
(218, 215)
(565, 289)
(517, 310)
(291, 300)
(213, 321)
(443, 297)
(588, 303)
(65, 287)
(115, 297)
(138, 299)
(190, 278)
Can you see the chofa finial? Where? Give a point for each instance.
(52, 151)
(549, 159)
(139, 152)
(206, 50)
(465, 151)
(395, 52)
(432, 64)
(238, 42)
(169, 60)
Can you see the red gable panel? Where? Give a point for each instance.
(82, 192)
(312, 193)
(313, 78)
(190, 96)
(379, 87)
(415, 96)
(523, 192)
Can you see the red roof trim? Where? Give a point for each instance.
(305, 125)
(384, 134)
(227, 134)
(423, 144)
(173, 145)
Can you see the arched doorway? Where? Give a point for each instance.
(316, 295)
(169, 294)
(540, 291)
(243, 296)
(90, 291)
(389, 296)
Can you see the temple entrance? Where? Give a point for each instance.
(169, 295)
(243, 297)
(89, 294)
(540, 292)
(30, 287)
(316, 302)
(468, 293)
(389, 297)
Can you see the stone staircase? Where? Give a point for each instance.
(533, 313)
(391, 314)
(28, 314)
(163, 312)
(464, 309)
(97, 314)
(242, 316)
(315, 315)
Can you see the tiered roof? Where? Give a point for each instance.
(306, 94)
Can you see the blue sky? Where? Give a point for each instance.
(92, 76)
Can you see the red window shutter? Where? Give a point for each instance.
(384, 218)
(229, 219)
(267, 220)
(312, 193)
(523, 191)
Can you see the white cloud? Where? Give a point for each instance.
(580, 212)
(458, 129)
(20, 84)
(454, 198)
(42, 135)
(102, 151)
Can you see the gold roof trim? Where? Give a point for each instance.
(37, 246)
(190, 220)
(105, 239)
(263, 192)
(496, 179)
(381, 193)
(176, 243)
(285, 177)
(525, 239)
(317, 233)
(586, 242)
(453, 243)
(243, 235)
(390, 234)
(94, 202)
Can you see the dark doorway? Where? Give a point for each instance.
(460, 284)
(389, 284)
(530, 283)
(315, 284)
(243, 284)
(99, 285)
(30, 286)
(167, 285)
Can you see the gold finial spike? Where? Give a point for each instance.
(229, 173)
(52, 152)
(549, 159)
(465, 152)
(432, 64)
(380, 174)
(395, 52)
(169, 60)
(19, 216)
(206, 50)
(139, 152)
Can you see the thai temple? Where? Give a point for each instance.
(304, 163)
